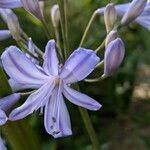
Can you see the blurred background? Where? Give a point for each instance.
(123, 123)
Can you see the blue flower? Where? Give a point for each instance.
(52, 82)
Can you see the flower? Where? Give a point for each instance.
(2, 146)
(4, 34)
(5, 104)
(143, 19)
(114, 55)
(52, 83)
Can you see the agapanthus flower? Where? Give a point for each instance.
(52, 83)
(2, 146)
(5, 104)
(4, 34)
(143, 19)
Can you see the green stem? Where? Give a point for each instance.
(87, 28)
(66, 25)
(58, 42)
(62, 22)
(88, 124)
(100, 47)
(90, 129)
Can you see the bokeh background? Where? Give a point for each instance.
(123, 123)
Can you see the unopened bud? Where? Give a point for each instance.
(110, 16)
(114, 55)
(55, 15)
(12, 22)
(134, 10)
(4, 34)
(111, 37)
(33, 7)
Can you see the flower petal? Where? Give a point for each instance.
(16, 86)
(20, 68)
(34, 102)
(8, 101)
(50, 59)
(80, 99)
(2, 146)
(4, 34)
(3, 117)
(79, 65)
(56, 117)
(10, 3)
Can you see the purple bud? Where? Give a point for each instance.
(114, 55)
(111, 37)
(33, 7)
(134, 10)
(4, 34)
(110, 16)
(12, 22)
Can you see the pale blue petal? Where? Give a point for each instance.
(4, 34)
(56, 116)
(16, 86)
(51, 61)
(10, 3)
(3, 117)
(20, 68)
(34, 102)
(8, 101)
(79, 65)
(80, 99)
(2, 146)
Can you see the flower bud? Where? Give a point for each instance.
(114, 55)
(55, 15)
(134, 10)
(111, 37)
(33, 7)
(12, 22)
(110, 16)
(4, 34)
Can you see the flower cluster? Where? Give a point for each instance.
(50, 81)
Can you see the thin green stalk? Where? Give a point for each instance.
(66, 24)
(87, 28)
(88, 124)
(100, 47)
(62, 22)
(90, 129)
(58, 42)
